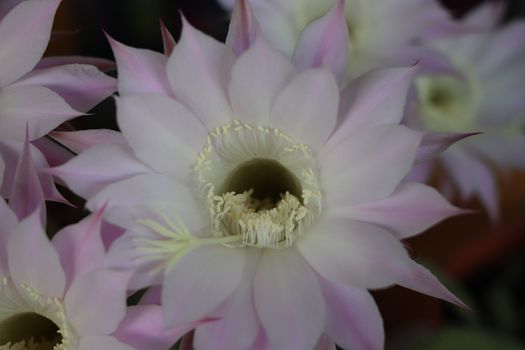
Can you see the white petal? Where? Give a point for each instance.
(198, 71)
(368, 165)
(102, 342)
(288, 300)
(307, 108)
(32, 259)
(199, 282)
(173, 138)
(96, 302)
(24, 34)
(354, 253)
(258, 77)
(148, 196)
(236, 313)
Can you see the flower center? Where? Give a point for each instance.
(259, 185)
(266, 180)
(446, 103)
(30, 328)
(31, 321)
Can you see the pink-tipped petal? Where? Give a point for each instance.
(45, 112)
(103, 64)
(94, 169)
(368, 165)
(288, 300)
(354, 253)
(420, 279)
(410, 210)
(103, 342)
(80, 247)
(200, 66)
(96, 302)
(325, 42)
(172, 130)
(377, 97)
(144, 328)
(190, 294)
(80, 140)
(81, 86)
(139, 70)
(54, 153)
(237, 312)
(27, 195)
(307, 108)
(168, 42)
(434, 143)
(33, 261)
(243, 28)
(353, 320)
(253, 92)
(473, 177)
(11, 151)
(325, 343)
(24, 34)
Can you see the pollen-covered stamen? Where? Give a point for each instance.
(259, 184)
(32, 321)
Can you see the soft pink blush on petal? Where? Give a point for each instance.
(139, 70)
(54, 153)
(80, 140)
(11, 151)
(410, 210)
(80, 247)
(420, 279)
(29, 243)
(252, 92)
(473, 177)
(26, 195)
(103, 64)
(200, 66)
(189, 294)
(81, 86)
(46, 111)
(357, 254)
(144, 328)
(94, 169)
(243, 29)
(96, 302)
(24, 34)
(288, 300)
(376, 98)
(306, 109)
(353, 319)
(325, 42)
(434, 143)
